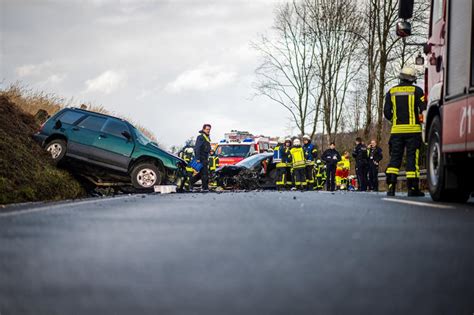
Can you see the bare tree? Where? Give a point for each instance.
(336, 28)
(287, 72)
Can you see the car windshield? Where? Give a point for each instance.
(141, 138)
(252, 161)
(233, 150)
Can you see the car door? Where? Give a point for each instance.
(83, 135)
(114, 143)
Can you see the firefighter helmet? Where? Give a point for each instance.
(408, 74)
(281, 140)
(288, 140)
(296, 142)
(306, 137)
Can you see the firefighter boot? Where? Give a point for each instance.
(413, 185)
(391, 184)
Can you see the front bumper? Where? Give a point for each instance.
(40, 138)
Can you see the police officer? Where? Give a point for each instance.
(331, 157)
(299, 165)
(403, 105)
(375, 156)
(361, 157)
(202, 148)
(311, 155)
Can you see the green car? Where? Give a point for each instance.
(112, 144)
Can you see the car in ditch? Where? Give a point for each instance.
(255, 172)
(110, 144)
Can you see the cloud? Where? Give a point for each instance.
(107, 82)
(32, 69)
(202, 78)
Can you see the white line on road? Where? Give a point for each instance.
(419, 203)
(61, 205)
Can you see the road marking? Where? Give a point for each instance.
(61, 205)
(419, 203)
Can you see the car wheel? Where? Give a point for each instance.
(145, 175)
(437, 170)
(57, 148)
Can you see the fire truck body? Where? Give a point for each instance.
(449, 91)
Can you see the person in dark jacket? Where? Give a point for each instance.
(361, 156)
(375, 156)
(331, 157)
(202, 148)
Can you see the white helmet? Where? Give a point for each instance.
(288, 139)
(296, 142)
(306, 137)
(281, 140)
(189, 150)
(408, 74)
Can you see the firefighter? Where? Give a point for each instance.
(320, 177)
(187, 154)
(213, 164)
(287, 159)
(331, 157)
(202, 147)
(375, 156)
(361, 156)
(310, 154)
(278, 152)
(404, 104)
(298, 164)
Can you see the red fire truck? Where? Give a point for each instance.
(449, 92)
(239, 145)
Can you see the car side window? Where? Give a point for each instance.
(92, 123)
(70, 117)
(115, 127)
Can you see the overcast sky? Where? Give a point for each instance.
(169, 65)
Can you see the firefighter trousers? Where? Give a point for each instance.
(397, 145)
(281, 177)
(310, 175)
(299, 177)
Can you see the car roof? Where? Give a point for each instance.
(94, 113)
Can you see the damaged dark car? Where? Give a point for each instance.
(255, 172)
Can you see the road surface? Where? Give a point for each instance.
(238, 253)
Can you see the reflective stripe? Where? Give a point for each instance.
(411, 109)
(392, 170)
(411, 174)
(417, 163)
(406, 128)
(282, 181)
(394, 109)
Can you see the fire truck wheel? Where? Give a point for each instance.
(437, 170)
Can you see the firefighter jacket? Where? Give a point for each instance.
(403, 105)
(202, 147)
(310, 153)
(331, 157)
(297, 157)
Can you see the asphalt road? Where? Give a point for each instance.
(238, 253)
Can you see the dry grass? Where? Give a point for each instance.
(30, 101)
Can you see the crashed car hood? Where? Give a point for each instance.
(171, 156)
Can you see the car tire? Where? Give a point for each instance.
(57, 148)
(145, 175)
(437, 170)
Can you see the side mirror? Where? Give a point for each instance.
(58, 124)
(127, 135)
(403, 28)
